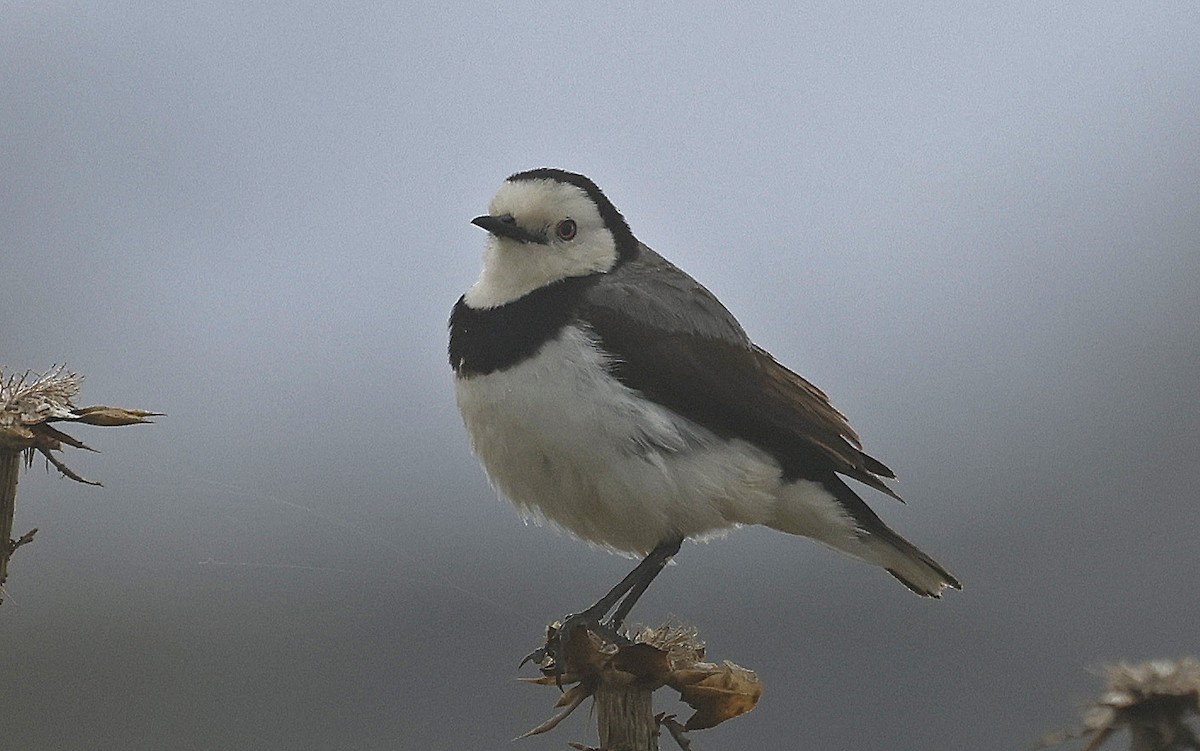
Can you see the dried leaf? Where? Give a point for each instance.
(646, 663)
(60, 437)
(573, 695)
(550, 724)
(112, 416)
(65, 469)
(717, 694)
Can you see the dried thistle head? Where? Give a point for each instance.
(30, 399)
(681, 643)
(1152, 699)
(29, 403)
(669, 655)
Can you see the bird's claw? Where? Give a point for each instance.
(559, 636)
(537, 656)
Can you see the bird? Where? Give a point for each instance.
(606, 391)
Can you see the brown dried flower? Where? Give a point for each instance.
(1151, 699)
(669, 655)
(30, 403)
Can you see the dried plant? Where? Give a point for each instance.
(30, 403)
(670, 655)
(1152, 699)
(29, 406)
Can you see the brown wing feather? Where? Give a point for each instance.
(803, 404)
(738, 390)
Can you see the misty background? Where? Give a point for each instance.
(977, 227)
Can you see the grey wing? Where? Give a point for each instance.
(674, 342)
(652, 291)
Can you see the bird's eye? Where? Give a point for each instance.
(566, 229)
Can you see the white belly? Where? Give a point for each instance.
(568, 443)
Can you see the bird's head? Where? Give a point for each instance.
(543, 226)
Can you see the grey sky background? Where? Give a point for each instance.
(976, 227)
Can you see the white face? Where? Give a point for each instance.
(513, 269)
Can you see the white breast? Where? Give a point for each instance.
(566, 442)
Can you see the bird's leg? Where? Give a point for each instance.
(623, 597)
(642, 576)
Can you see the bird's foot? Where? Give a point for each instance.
(555, 656)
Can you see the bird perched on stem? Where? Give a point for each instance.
(605, 390)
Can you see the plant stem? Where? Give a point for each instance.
(10, 465)
(625, 717)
